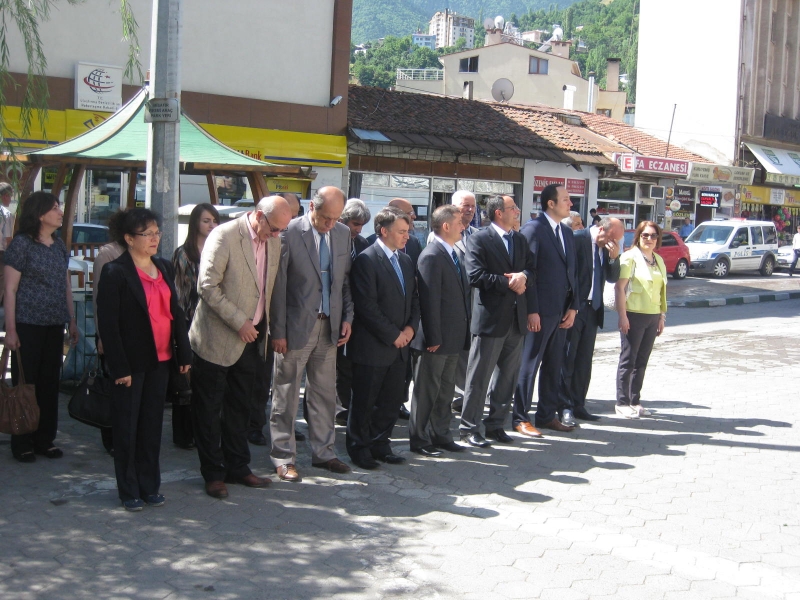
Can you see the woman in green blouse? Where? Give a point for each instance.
(642, 314)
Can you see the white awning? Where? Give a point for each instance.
(782, 166)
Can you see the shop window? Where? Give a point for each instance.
(624, 191)
(606, 112)
(538, 66)
(468, 65)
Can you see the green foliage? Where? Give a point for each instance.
(379, 65)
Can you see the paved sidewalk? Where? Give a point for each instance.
(702, 501)
(702, 292)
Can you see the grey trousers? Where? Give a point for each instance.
(318, 358)
(486, 355)
(430, 403)
(636, 348)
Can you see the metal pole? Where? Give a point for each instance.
(669, 137)
(163, 140)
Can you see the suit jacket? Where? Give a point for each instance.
(227, 283)
(360, 243)
(297, 294)
(556, 286)
(382, 311)
(495, 307)
(413, 248)
(124, 319)
(461, 245)
(444, 302)
(584, 248)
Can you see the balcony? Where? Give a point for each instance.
(420, 74)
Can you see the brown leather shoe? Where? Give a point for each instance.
(216, 489)
(333, 465)
(528, 430)
(288, 473)
(250, 480)
(556, 425)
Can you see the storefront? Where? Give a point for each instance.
(781, 206)
(717, 187)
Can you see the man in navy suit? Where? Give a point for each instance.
(597, 252)
(501, 269)
(444, 301)
(384, 290)
(554, 304)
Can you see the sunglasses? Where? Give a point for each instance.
(649, 236)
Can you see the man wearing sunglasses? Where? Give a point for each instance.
(235, 280)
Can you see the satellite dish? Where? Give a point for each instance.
(488, 23)
(499, 22)
(558, 33)
(502, 90)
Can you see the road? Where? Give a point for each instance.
(701, 501)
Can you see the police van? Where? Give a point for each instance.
(722, 247)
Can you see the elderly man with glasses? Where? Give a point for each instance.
(235, 280)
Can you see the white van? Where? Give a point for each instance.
(720, 247)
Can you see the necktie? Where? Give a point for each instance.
(597, 281)
(510, 240)
(324, 267)
(458, 264)
(559, 240)
(353, 252)
(396, 266)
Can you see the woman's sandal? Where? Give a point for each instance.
(51, 452)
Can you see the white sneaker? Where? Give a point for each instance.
(629, 412)
(567, 418)
(642, 411)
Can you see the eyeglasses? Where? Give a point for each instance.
(273, 230)
(150, 234)
(649, 236)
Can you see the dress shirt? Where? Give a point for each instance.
(796, 241)
(502, 233)
(260, 252)
(593, 231)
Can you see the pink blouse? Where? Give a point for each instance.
(158, 297)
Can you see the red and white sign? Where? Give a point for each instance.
(540, 182)
(667, 166)
(576, 187)
(627, 163)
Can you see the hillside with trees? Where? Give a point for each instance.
(600, 29)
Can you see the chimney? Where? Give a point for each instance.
(560, 48)
(493, 36)
(612, 75)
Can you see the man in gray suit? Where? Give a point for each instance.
(228, 333)
(310, 316)
(444, 299)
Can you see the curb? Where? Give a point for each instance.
(729, 300)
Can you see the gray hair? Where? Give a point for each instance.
(387, 216)
(355, 210)
(605, 223)
(494, 204)
(459, 196)
(444, 214)
(572, 216)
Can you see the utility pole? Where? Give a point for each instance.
(163, 139)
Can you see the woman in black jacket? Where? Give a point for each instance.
(143, 328)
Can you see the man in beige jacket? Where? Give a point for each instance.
(237, 272)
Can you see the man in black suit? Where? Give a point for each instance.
(555, 303)
(384, 289)
(501, 269)
(597, 251)
(354, 215)
(444, 301)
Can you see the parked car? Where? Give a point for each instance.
(674, 252)
(784, 257)
(87, 233)
(720, 247)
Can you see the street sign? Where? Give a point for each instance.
(162, 110)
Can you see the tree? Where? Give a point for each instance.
(26, 15)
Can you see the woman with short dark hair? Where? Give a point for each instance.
(38, 301)
(143, 328)
(186, 262)
(642, 315)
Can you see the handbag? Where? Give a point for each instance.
(179, 388)
(91, 402)
(610, 294)
(19, 412)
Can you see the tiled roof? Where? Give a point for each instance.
(455, 118)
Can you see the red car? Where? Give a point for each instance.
(674, 252)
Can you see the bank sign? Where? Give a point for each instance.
(98, 87)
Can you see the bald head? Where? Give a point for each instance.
(326, 208)
(293, 201)
(403, 205)
(271, 216)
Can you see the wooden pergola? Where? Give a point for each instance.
(120, 142)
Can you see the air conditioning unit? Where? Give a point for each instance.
(657, 192)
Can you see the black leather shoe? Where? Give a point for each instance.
(457, 406)
(451, 447)
(341, 418)
(391, 459)
(404, 414)
(475, 439)
(365, 463)
(299, 437)
(427, 451)
(582, 414)
(257, 438)
(500, 436)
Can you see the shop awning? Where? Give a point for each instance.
(782, 166)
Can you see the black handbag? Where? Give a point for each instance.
(179, 388)
(91, 402)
